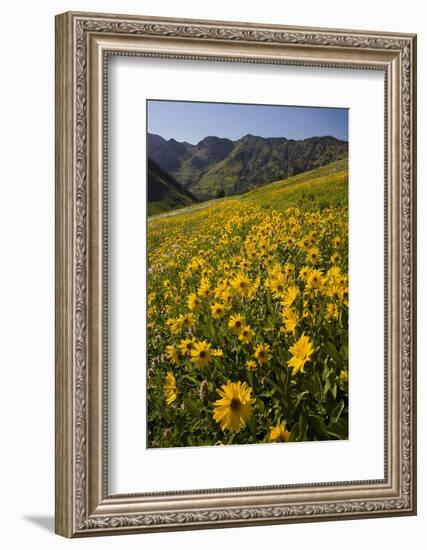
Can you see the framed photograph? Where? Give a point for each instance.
(235, 274)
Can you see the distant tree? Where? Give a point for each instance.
(220, 193)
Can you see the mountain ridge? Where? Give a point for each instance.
(219, 166)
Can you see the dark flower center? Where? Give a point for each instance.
(235, 404)
(202, 354)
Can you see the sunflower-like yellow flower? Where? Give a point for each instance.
(305, 244)
(217, 310)
(244, 264)
(262, 353)
(289, 296)
(304, 272)
(290, 319)
(186, 345)
(201, 354)
(175, 325)
(315, 280)
(313, 254)
(187, 320)
(277, 285)
(335, 258)
(170, 389)
(337, 242)
(251, 364)
(235, 324)
(333, 289)
(242, 284)
(172, 354)
(234, 408)
(246, 334)
(204, 289)
(167, 284)
(193, 302)
(332, 311)
(343, 376)
(254, 288)
(301, 353)
(226, 297)
(343, 296)
(279, 433)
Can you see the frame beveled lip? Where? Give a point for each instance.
(83, 43)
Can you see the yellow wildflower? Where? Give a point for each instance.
(262, 353)
(170, 390)
(193, 302)
(201, 354)
(343, 376)
(175, 325)
(289, 296)
(315, 280)
(301, 353)
(234, 408)
(246, 334)
(290, 319)
(242, 284)
(187, 321)
(185, 346)
(279, 433)
(236, 323)
(172, 355)
(217, 310)
(313, 255)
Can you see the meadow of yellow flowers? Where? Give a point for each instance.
(248, 319)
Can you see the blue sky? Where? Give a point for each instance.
(193, 121)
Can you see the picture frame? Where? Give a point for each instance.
(84, 42)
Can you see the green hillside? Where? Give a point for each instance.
(164, 193)
(221, 167)
(323, 187)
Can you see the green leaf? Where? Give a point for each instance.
(300, 428)
(336, 412)
(252, 425)
(300, 396)
(332, 351)
(259, 404)
(276, 387)
(192, 406)
(317, 384)
(191, 378)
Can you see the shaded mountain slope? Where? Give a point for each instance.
(164, 192)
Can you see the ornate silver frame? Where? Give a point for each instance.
(83, 42)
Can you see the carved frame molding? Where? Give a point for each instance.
(83, 43)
